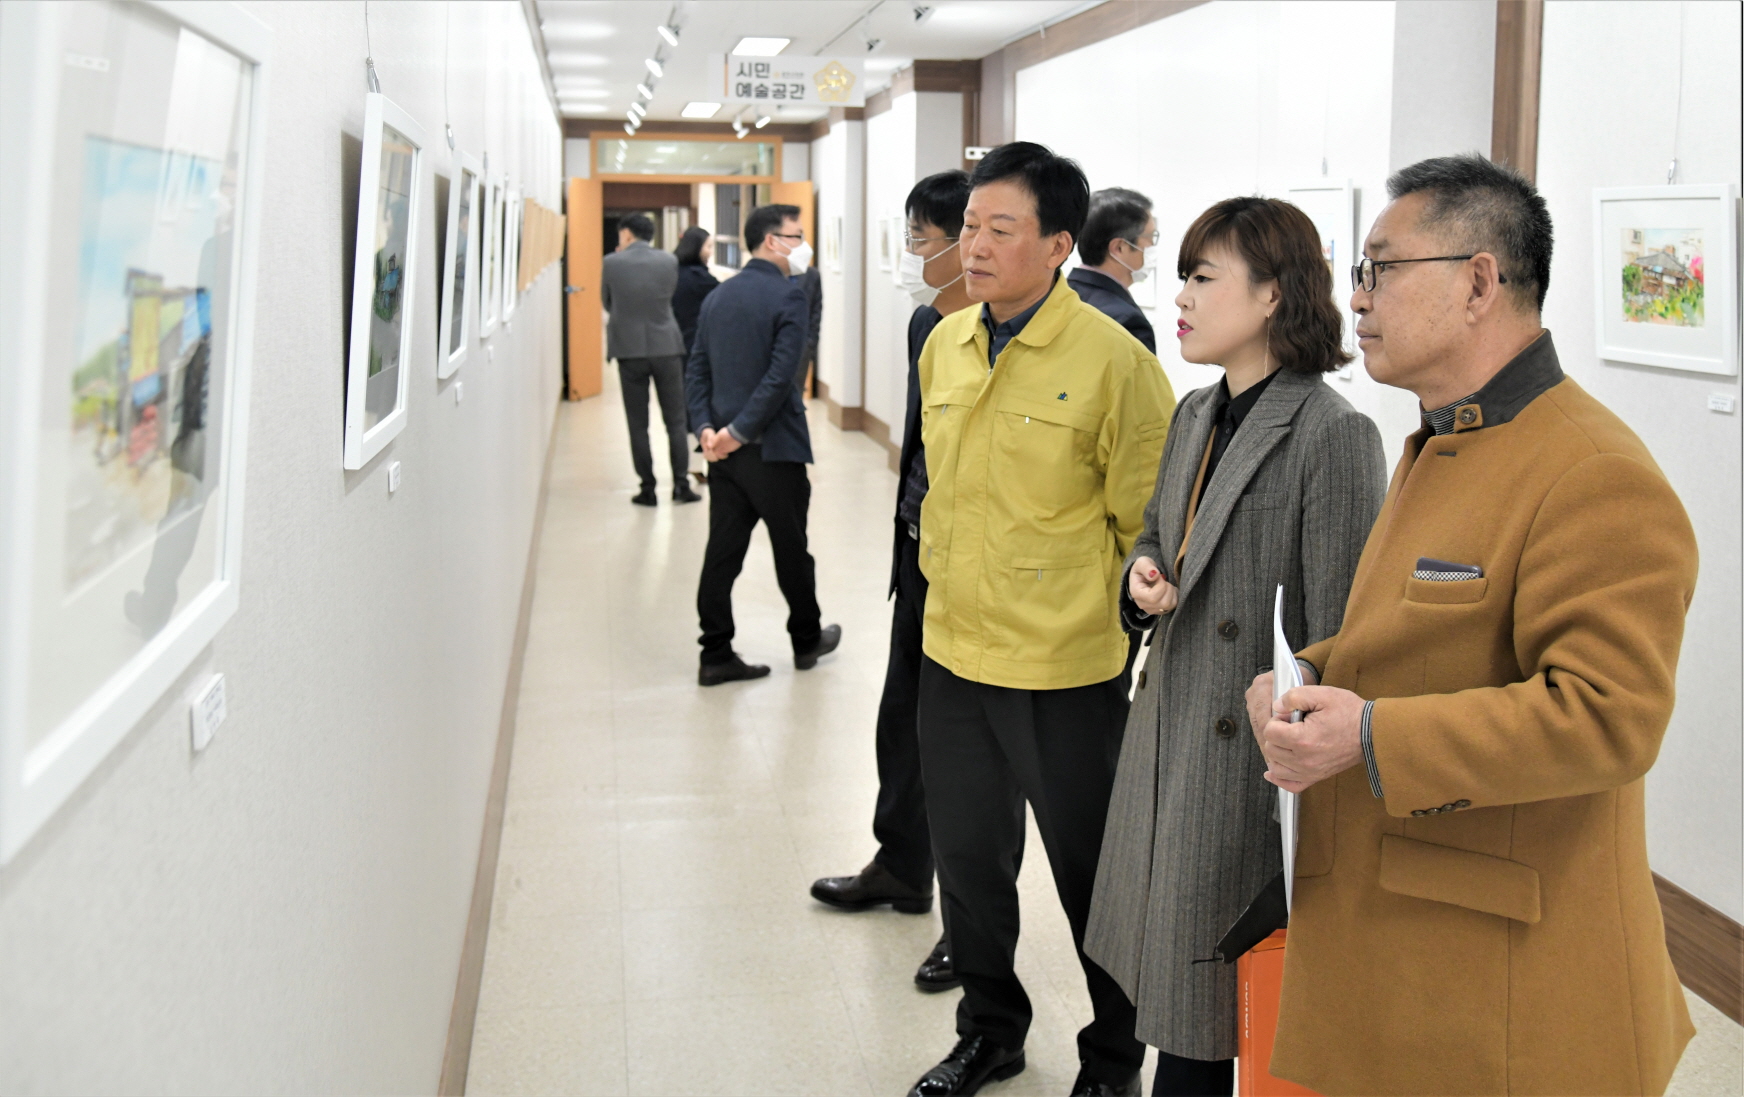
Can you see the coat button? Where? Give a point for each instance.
(1229, 630)
(1141, 679)
(1462, 803)
(1418, 814)
(1449, 807)
(1468, 415)
(1225, 726)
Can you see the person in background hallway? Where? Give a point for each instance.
(1480, 918)
(1043, 422)
(1268, 477)
(813, 284)
(1119, 247)
(745, 407)
(901, 872)
(696, 249)
(636, 284)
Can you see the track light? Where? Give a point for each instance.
(866, 37)
(645, 91)
(631, 130)
(655, 68)
(762, 120)
(919, 12)
(668, 33)
(638, 112)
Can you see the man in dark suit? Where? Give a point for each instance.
(746, 409)
(1119, 247)
(901, 872)
(636, 285)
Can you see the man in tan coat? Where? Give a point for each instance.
(1473, 908)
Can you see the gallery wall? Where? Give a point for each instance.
(1593, 131)
(286, 909)
(838, 171)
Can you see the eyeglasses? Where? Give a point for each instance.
(788, 236)
(911, 242)
(1363, 274)
(1148, 240)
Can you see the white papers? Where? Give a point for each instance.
(1286, 675)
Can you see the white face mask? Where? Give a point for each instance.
(1145, 265)
(799, 258)
(910, 272)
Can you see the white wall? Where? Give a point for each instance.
(1449, 49)
(795, 161)
(838, 161)
(1597, 130)
(890, 145)
(285, 911)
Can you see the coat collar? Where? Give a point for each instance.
(1057, 308)
(1265, 426)
(1094, 278)
(762, 266)
(1526, 377)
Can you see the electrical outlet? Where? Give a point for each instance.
(1723, 402)
(393, 477)
(206, 710)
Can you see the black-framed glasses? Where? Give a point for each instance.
(1363, 274)
(788, 235)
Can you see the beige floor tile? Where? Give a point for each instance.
(544, 879)
(533, 1052)
(552, 961)
(724, 951)
(688, 863)
(561, 819)
(1713, 1063)
(783, 1043)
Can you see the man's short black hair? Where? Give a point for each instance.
(641, 226)
(1115, 214)
(938, 200)
(1479, 206)
(1061, 193)
(765, 220)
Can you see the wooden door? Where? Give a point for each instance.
(586, 352)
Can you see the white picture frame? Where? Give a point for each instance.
(1681, 312)
(886, 245)
(459, 269)
(1331, 205)
(511, 251)
(384, 279)
(490, 258)
(84, 656)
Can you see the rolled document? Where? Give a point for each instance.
(1286, 676)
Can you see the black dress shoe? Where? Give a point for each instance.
(1087, 1086)
(828, 640)
(935, 972)
(973, 1063)
(713, 674)
(873, 887)
(683, 494)
(645, 498)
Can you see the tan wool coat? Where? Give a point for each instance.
(1490, 925)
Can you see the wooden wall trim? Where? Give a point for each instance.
(964, 76)
(879, 101)
(457, 1049)
(879, 431)
(1519, 59)
(1089, 27)
(586, 127)
(847, 114)
(1706, 947)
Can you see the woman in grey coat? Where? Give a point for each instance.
(1267, 477)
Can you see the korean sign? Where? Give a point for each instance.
(794, 81)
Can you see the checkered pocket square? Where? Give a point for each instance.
(1441, 571)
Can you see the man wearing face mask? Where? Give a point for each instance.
(1119, 248)
(746, 408)
(901, 873)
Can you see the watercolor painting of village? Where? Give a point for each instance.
(1663, 277)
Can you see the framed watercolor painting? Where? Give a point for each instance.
(459, 269)
(490, 257)
(384, 278)
(136, 132)
(1331, 205)
(1666, 271)
(510, 248)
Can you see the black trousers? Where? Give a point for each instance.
(745, 489)
(1178, 1077)
(899, 821)
(984, 751)
(667, 373)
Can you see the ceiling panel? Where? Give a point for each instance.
(596, 48)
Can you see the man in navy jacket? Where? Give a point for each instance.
(742, 385)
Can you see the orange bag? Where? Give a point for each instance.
(1260, 975)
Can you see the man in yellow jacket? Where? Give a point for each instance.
(1043, 423)
(1473, 908)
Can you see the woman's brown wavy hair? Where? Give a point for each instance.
(1279, 243)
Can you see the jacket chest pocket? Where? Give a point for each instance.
(1045, 452)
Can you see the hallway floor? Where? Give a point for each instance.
(652, 931)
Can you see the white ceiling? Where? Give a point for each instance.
(596, 47)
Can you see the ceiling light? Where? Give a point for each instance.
(761, 47)
(564, 91)
(668, 33)
(638, 111)
(645, 91)
(631, 130)
(700, 110)
(563, 59)
(742, 134)
(562, 31)
(582, 108)
(654, 67)
(919, 12)
(762, 120)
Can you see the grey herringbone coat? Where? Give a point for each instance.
(1191, 835)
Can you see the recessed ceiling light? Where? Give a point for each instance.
(565, 59)
(581, 108)
(700, 110)
(562, 30)
(761, 47)
(566, 92)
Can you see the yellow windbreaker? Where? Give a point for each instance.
(1039, 473)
